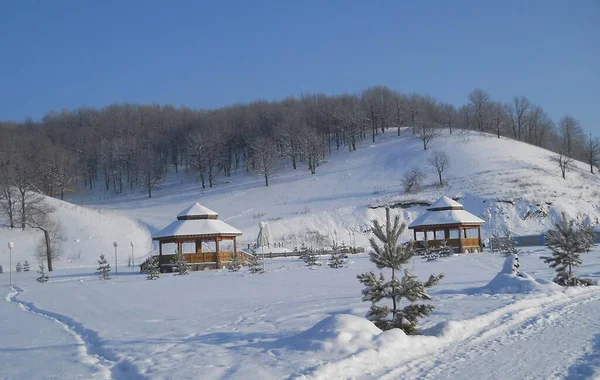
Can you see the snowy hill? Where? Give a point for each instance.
(85, 233)
(516, 182)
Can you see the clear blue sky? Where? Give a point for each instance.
(64, 54)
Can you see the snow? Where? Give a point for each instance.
(445, 217)
(445, 203)
(507, 281)
(197, 227)
(292, 322)
(197, 210)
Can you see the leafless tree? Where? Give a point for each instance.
(448, 115)
(264, 155)
(412, 181)
(42, 220)
(564, 163)
(593, 152)
(517, 111)
(571, 133)
(440, 161)
(480, 102)
(428, 122)
(151, 170)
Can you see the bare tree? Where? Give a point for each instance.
(412, 181)
(571, 134)
(517, 111)
(440, 161)
(428, 122)
(593, 152)
(264, 155)
(41, 219)
(448, 114)
(480, 102)
(150, 170)
(564, 163)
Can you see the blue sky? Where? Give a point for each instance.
(65, 54)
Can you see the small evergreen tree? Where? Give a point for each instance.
(180, 265)
(508, 244)
(445, 250)
(103, 269)
(129, 261)
(151, 268)
(311, 258)
(42, 272)
(1, 269)
(235, 262)
(336, 260)
(255, 264)
(567, 243)
(26, 266)
(19, 267)
(390, 254)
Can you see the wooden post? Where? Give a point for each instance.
(434, 235)
(234, 244)
(479, 237)
(217, 249)
(415, 234)
(446, 234)
(179, 247)
(159, 253)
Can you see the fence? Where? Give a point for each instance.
(539, 240)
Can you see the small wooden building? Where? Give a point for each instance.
(446, 219)
(199, 226)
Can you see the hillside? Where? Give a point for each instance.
(517, 182)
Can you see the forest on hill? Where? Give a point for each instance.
(123, 146)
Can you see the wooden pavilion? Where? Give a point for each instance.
(446, 219)
(197, 225)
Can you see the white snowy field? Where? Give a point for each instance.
(294, 322)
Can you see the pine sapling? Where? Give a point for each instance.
(1, 269)
(26, 266)
(103, 269)
(129, 261)
(567, 243)
(19, 267)
(42, 272)
(508, 244)
(181, 266)
(392, 255)
(311, 258)
(152, 269)
(444, 250)
(336, 260)
(235, 262)
(255, 264)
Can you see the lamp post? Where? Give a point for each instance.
(116, 261)
(132, 256)
(11, 245)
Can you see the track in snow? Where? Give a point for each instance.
(90, 346)
(548, 331)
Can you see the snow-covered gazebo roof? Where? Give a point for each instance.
(196, 221)
(445, 212)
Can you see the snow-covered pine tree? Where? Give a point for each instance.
(336, 260)
(42, 272)
(428, 253)
(508, 244)
(129, 261)
(444, 250)
(1, 269)
(235, 262)
(392, 255)
(103, 269)
(567, 243)
(181, 266)
(303, 252)
(151, 268)
(19, 267)
(255, 264)
(26, 266)
(311, 258)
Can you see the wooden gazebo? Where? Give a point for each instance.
(446, 219)
(197, 225)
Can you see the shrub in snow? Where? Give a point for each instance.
(392, 255)
(567, 242)
(507, 244)
(336, 260)
(1, 269)
(103, 269)
(42, 272)
(181, 266)
(151, 268)
(412, 181)
(26, 266)
(255, 264)
(19, 267)
(311, 258)
(235, 263)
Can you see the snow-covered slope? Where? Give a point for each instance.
(516, 182)
(85, 232)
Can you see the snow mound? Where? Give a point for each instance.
(341, 333)
(511, 280)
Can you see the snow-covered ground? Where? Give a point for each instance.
(293, 322)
